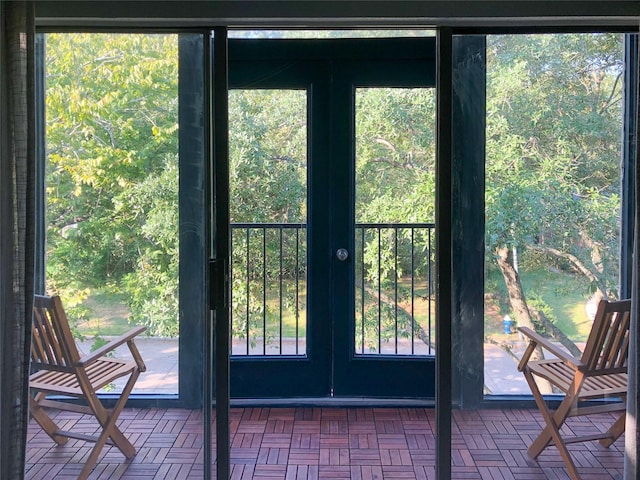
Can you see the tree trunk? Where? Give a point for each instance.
(576, 263)
(518, 302)
(514, 287)
(417, 328)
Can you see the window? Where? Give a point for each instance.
(553, 191)
(111, 191)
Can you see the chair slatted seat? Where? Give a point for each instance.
(58, 369)
(601, 373)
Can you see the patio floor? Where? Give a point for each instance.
(336, 443)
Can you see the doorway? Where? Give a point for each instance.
(332, 178)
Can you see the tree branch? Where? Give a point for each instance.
(403, 165)
(417, 328)
(386, 144)
(609, 102)
(504, 346)
(556, 333)
(575, 261)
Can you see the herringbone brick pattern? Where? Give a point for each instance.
(326, 443)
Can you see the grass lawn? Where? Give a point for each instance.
(109, 315)
(565, 295)
(273, 313)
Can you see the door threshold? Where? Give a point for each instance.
(344, 402)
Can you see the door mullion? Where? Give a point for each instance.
(220, 245)
(443, 253)
(320, 348)
(341, 222)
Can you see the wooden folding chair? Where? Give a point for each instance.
(59, 370)
(601, 373)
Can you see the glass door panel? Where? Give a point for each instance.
(124, 171)
(268, 189)
(395, 198)
(551, 160)
(111, 181)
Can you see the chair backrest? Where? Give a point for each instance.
(52, 344)
(607, 347)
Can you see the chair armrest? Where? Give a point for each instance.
(112, 345)
(537, 339)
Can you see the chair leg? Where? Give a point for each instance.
(40, 416)
(546, 435)
(107, 420)
(615, 431)
(552, 430)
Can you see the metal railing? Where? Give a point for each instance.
(394, 285)
(395, 288)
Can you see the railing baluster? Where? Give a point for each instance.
(362, 300)
(386, 318)
(379, 291)
(413, 293)
(429, 285)
(264, 290)
(248, 292)
(395, 273)
(280, 332)
(297, 312)
(230, 293)
(398, 310)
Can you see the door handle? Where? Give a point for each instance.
(342, 254)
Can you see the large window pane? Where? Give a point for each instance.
(112, 192)
(554, 123)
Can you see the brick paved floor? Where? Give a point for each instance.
(318, 443)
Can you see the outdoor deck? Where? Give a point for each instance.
(337, 443)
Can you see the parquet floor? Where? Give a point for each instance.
(326, 443)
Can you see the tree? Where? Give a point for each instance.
(553, 149)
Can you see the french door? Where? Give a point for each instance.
(331, 172)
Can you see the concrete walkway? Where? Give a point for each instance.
(161, 359)
(501, 375)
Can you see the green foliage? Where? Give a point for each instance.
(395, 155)
(268, 155)
(152, 287)
(553, 147)
(111, 106)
